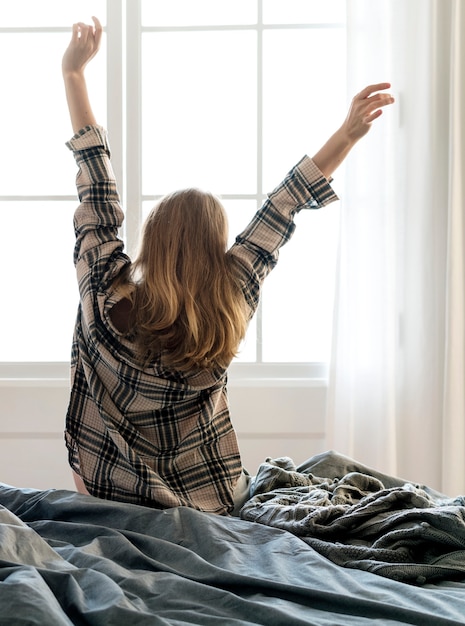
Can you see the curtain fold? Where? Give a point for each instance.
(395, 397)
(454, 380)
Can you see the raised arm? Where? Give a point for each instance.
(365, 108)
(84, 45)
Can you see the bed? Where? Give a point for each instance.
(329, 543)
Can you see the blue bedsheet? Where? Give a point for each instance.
(68, 559)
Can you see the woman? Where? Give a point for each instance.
(148, 418)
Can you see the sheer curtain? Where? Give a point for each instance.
(396, 390)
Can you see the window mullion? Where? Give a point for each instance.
(259, 313)
(133, 197)
(115, 88)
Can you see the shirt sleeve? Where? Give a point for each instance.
(257, 248)
(98, 253)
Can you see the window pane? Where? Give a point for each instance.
(248, 349)
(36, 161)
(304, 101)
(297, 298)
(303, 11)
(200, 12)
(240, 212)
(26, 13)
(38, 312)
(199, 111)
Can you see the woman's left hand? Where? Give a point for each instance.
(366, 107)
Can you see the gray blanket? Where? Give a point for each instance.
(68, 559)
(360, 518)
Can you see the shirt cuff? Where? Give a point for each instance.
(305, 187)
(89, 137)
(316, 179)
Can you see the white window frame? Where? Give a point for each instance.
(124, 116)
(258, 372)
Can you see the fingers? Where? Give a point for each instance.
(84, 45)
(97, 24)
(82, 32)
(379, 100)
(98, 30)
(75, 33)
(371, 118)
(88, 33)
(365, 93)
(366, 107)
(370, 101)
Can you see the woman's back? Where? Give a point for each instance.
(187, 296)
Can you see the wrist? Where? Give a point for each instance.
(73, 75)
(345, 139)
(334, 151)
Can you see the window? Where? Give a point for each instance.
(37, 194)
(221, 94)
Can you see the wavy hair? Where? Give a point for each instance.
(187, 301)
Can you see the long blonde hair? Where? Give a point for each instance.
(187, 302)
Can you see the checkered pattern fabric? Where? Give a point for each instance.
(153, 435)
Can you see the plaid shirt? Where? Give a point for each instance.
(155, 436)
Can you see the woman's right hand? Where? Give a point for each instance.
(84, 45)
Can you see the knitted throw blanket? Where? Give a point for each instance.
(360, 518)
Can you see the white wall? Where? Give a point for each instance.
(273, 417)
(32, 449)
(278, 419)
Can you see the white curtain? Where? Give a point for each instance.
(396, 391)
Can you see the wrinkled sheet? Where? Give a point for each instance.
(67, 558)
(363, 519)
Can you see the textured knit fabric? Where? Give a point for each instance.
(153, 435)
(363, 519)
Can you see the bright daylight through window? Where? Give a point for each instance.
(223, 95)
